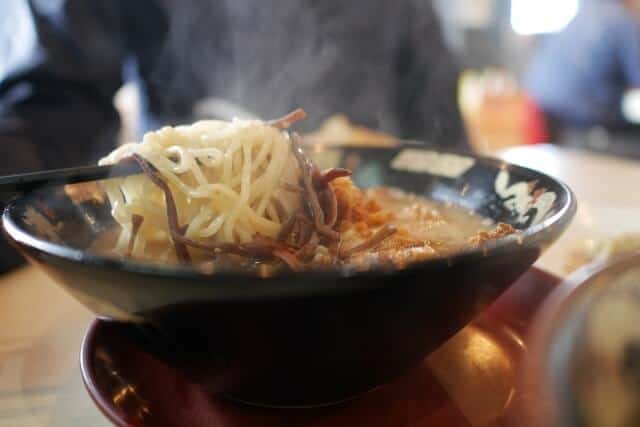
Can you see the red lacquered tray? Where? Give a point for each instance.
(470, 381)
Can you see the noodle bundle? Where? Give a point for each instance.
(227, 178)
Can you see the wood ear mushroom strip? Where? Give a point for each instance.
(172, 211)
(286, 121)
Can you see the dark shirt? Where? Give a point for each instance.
(382, 63)
(580, 75)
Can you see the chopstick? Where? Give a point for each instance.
(25, 182)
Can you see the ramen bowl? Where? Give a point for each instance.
(312, 338)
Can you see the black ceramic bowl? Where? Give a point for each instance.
(307, 338)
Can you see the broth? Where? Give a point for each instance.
(425, 229)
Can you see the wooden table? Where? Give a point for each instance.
(42, 327)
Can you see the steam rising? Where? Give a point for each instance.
(329, 57)
(265, 60)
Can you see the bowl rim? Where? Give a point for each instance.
(559, 219)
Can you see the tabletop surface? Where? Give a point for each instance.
(42, 327)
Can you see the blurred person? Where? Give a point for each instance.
(383, 64)
(579, 76)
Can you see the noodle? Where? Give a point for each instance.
(136, 221)
(225, 177)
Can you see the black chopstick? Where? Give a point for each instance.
(25, 182)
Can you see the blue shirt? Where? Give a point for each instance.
(580, 75)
